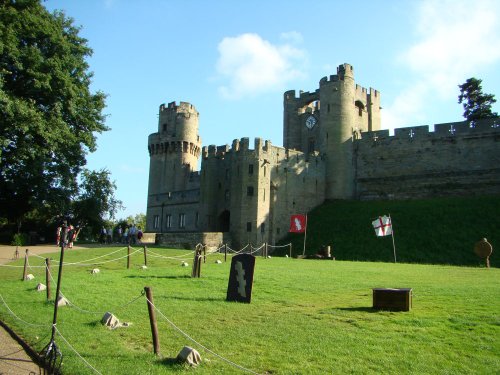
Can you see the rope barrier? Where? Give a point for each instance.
(78, 354)
(278, 246)
(18, 318)
(200, 345)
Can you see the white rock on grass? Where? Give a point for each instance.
(190, 356)
(41, 287)
(144, 267)
(95, 270)
(184, 264)
(29, 276)
(61, 301)
(218, 261)
(111, 321)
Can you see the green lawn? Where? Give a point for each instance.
(431, 231)
(306, 316)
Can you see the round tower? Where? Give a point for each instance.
(175, 149)
(337, 118)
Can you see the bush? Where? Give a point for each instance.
(20, 239)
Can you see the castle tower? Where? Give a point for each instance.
(174, 152)
(338, 123)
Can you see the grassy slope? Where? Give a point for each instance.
(435, 231)
(306, 317)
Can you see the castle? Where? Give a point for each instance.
(333, 148)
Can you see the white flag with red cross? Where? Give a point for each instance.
(383, 226)
(298, 223)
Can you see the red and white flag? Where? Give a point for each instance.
(298, 223)
(383, 226)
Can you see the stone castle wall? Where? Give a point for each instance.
(454, 159)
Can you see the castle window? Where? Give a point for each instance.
(196, 219)
(311, 145)
(250, 168)
(168, 219)
(249, 226)
(262, 228)
(249, 191)
(182, 220)
(164, 127)
(156, 222)
(360, 106)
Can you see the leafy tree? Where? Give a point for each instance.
(477, 105)
(48, 115)
(96, 204)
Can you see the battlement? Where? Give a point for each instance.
(238, 145)
(450, 129)
(183, 107)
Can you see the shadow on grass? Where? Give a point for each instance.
(363, 309)
(158, 277)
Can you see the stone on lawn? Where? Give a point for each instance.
(184, 264)
(29, 276)
(62, 301)
(190, 356)
(95, 270)
(218, 261)
(41, 287)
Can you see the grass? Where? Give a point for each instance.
(306, 316)
(431, 231)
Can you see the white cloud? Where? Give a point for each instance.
(250, 65)
(456, 38)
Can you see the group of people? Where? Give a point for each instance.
(130, 235)
(66, 235)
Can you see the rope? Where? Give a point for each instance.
(74, 350)
(276, 246)
(197, 343)
(155, 255)
(18, 318)
(98, 263)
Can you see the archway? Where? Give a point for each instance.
(223, 221)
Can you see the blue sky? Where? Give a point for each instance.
(234, 59)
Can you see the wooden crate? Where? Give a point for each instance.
(392, 299)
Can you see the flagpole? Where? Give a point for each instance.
(392, 233)
(305, 236)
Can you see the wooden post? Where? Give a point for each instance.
(290, 249)
(265, 248)
(47, 277)
(204, 254)
(145, 256)
(152, 320)
(58, 288)
(128, 257)
(25, 271)
(225, 252)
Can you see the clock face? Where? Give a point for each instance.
(310, 122)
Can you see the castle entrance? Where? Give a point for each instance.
(223, 221)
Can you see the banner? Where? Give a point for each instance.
(383, 226)
(298, 223)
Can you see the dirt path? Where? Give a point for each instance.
(14, 360)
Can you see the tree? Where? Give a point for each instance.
(477, 105)
(48, 115)
(96, 202)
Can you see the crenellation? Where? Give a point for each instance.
(333, 148)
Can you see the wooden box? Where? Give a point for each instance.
(392, 299)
